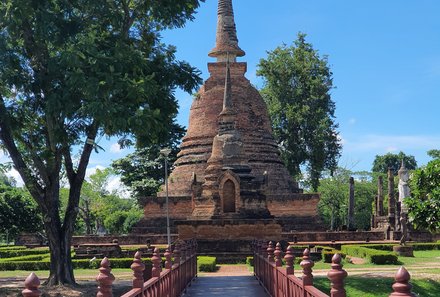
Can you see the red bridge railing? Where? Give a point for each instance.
(168, 282)
(281, 282)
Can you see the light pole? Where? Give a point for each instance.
(165, 152)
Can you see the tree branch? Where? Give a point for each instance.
(8, 141)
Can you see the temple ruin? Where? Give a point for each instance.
(229, 178)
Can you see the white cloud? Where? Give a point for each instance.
(92, 170)
(115, 148)
(352, 121)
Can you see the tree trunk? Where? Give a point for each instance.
(61, 269)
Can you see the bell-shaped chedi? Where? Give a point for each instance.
(229, 164)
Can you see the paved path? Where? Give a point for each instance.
(231, 286)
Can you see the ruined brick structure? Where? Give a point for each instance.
(229, 168)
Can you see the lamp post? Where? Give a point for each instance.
(165, 152)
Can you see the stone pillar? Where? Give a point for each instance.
(391, 200)
(350, 220)
(380, 196)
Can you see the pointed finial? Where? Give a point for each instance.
(227, 98)
(226, 47)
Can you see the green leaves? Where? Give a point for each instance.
(381, 163)
(424, 203)
(297, 91)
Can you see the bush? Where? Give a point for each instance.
(44, 264)
(250, 261)
(207, 264)
(372, 255)
(27, 258)
(9, 253)
(327, 255)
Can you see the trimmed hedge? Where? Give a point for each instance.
(77, 264)
(372, 255)
(207, 264)
(9, 253)
(26, 258)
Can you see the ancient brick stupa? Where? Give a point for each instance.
(229, 180)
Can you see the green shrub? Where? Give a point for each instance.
(250, 261)
(207, 264)
(327, 255)
(9, 253)
(372, 255)
(26, 258)
(77, 264)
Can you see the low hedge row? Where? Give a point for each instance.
(77, 264)
(372, 255)
(207, 264)
(328, 253)
(9, 253)
(26, 258)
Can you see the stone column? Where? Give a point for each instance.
(391, 199)
(380, 196)
(350, 221)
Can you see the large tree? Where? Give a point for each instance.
(71, 72)
(297, 86)
(424, 203)
(382, 163)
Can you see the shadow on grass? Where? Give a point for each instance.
(379, 286)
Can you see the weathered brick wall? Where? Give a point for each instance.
(298, 205)
(179, 207)
(229, 229)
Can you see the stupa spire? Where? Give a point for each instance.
(226, 47)
(227, 98)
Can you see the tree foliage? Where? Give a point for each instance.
(424, 203)
(435, 154)
(72, 71)
(143, 170)
(381, 163)
(334, 190)
(18, 212)
(297, 86)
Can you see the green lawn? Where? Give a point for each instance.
(379, 287)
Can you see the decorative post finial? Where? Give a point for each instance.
(277, 253)
(138, 268)
(402, 287)
(289, 258)
(226, 47)
(105, 279)
(307, 265)
(337, 276)
(31, 285)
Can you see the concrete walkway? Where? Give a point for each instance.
(231, 286)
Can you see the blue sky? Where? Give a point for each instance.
(385, 57)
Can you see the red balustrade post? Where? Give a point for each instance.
(167, 255)
(307, 264)
(157, 261)
(31, 284)
(337, 275)
(289, 258)
(402, 287)
(277, 253)
(270, 251)
(105, 279)
(138, 268)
